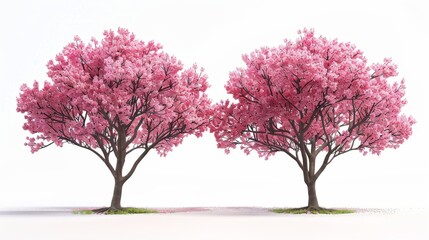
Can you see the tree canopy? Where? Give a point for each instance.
(116, 96)
(312, 97)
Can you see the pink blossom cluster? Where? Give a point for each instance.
(117, 86)
(312, 93)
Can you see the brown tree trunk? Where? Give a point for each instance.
(117, 195)
(117, 175)
(312, 196)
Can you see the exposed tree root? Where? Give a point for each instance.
(122, 210)
(312, 209)
(103, 210)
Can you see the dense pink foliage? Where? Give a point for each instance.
(310, 96)
(117, 86)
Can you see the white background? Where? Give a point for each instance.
(213, 34)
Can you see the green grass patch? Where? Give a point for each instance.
(112, 212)
(312, 211)
(131, 211)
(83, 212)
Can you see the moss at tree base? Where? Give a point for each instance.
(307, 210)
(108, 211)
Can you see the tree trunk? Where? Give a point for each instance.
(117, 195)
(312, 197)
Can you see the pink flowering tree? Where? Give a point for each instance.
(314, 100)
(113, 98)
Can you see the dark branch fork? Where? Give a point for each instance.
(276, 138)
(113, 139)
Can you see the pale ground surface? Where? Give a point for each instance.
(213, 223)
